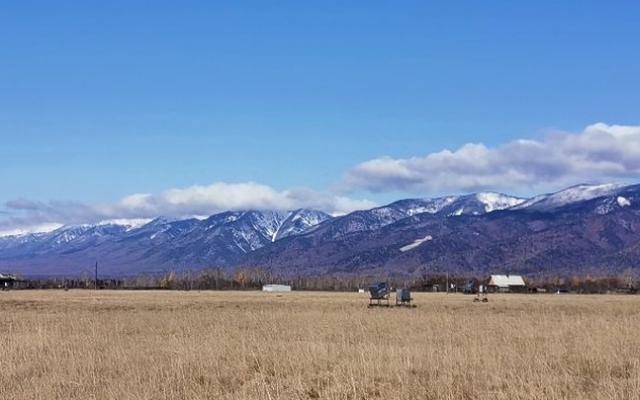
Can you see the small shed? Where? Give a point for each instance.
(506, 283)
(7, 281)
(275, 288)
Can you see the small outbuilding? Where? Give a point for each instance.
(276, 288)
(7, 281)
(506, 283)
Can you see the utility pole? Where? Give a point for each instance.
(447, 282)
(95, 286)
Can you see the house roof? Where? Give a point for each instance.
(506, 280)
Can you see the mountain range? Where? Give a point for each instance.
(582, 229)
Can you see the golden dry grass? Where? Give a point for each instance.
(234, 345)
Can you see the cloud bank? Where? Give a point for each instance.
(600, 152)
(217, 197)
(25, 216)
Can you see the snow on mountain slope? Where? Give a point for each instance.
(85, 232)
(267, 222)
(299, 221)
(419, 206)
(242, 231)
(162, 229)
(568, 196)
(376, 218)
(594, 233)
(416, 243)
(480, 203)
(623, 201)
(395, 211)
(497, 201)
(219, 238)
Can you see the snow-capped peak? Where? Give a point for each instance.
(497, 201)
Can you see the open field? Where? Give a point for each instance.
(251, 345)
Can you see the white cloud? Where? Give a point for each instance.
(24, 216)
(600, 152)
(217, 197)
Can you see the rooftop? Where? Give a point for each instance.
(506, 280)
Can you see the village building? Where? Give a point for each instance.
(276, 288)
(7, 281)
(506, 283)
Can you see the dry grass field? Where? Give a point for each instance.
(251, 345)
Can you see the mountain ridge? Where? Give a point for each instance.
(465, 233)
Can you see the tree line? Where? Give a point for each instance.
(251, 278)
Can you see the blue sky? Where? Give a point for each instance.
(103, 100)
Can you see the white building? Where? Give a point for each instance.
(506, 283)
(276, 288)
